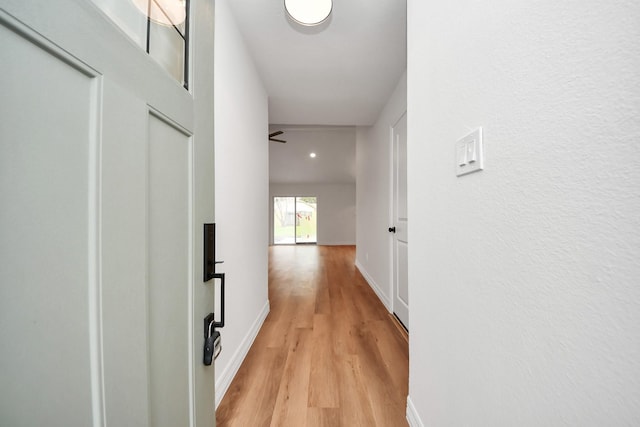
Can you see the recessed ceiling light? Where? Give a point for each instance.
(312, 155)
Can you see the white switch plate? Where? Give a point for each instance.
(469, 153)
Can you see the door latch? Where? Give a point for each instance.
(212, 345)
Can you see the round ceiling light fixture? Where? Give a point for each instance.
(308, 12)
(163, 12)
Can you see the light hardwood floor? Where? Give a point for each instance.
(328, 354)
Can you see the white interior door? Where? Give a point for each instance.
(97, 304)
(400, 222)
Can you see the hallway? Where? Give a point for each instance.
(328, 354)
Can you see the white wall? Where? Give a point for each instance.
(373, 200)
(526, 274)
(336, 209)
(241, 191)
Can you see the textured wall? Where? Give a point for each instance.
(525, 278)
(241, 190)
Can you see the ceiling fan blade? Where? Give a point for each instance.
(277, 140)
(271, 135)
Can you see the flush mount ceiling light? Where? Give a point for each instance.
(312, 155)
(308, 12)
(163, 12)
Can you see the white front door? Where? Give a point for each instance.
(100, 307)
(400, 222)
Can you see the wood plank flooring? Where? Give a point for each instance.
(328, 354)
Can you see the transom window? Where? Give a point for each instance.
(160, 27)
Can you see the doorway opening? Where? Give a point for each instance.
(295, 220)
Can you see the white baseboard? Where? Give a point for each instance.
(412, 415)
(337, 244)
(224, 381)
(383, 298)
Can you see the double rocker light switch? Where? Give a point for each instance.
(469, 153)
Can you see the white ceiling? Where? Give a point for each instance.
(335, 160)
(339, 73)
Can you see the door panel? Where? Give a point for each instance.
(48, 245)
(402, 293)
(169, 190)
(401, 222)
(124, 276)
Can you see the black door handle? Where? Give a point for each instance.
(220, 324)
(392, 229)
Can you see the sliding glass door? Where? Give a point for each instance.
(284, 214)
(306, 213)
(294, 220)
